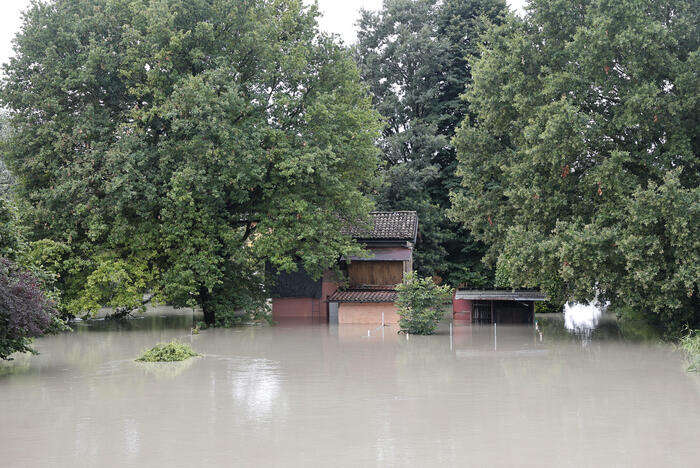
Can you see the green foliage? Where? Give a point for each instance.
(254, 309)
(420, 302)
(412, 54)
(168, 352)
(7, 181)
(636, 326)
(11, 241)
(114, 283)
(690, 344)
(548, 307)
(579, 169)
(174, 146)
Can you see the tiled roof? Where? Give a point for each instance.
(388, 225)
(363, 296)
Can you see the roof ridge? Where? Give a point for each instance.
(387, 225)
(393, 211)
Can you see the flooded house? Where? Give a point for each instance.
(367, 293)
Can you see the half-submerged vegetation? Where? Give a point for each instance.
(420, 303)
(690, 344)
(168, 352)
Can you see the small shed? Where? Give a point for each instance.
(495, 306)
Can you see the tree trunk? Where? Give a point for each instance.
(204, 301)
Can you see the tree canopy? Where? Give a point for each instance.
(172, 146)
(413, 55)
(580, 168)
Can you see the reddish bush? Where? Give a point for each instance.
(25, 310)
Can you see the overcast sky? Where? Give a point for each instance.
(339, 17)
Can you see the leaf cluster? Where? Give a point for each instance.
(173, 147)
(168, 352)
(25, 311)
(579, 169)
(421, 304)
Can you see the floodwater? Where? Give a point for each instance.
(301, 394)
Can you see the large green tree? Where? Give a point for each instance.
(581, 169)
(6, 179)
(173, 145)
(413, 54)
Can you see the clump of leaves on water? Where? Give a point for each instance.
(420, 303)
(168, 352)
(690, 344)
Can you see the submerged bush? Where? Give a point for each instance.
(26, 312)
(691, 345)
(420, 303)
(168, 352)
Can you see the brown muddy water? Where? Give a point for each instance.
(301, 394)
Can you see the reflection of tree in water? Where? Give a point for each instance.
(553, 327)
(165, 370)
(19, 365)
(149, 322)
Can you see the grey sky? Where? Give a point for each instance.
(339, 17)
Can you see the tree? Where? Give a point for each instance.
(176, 145)
(421, 304)
(26, 311)
(580, 168)
(6, 179)
(412, 54)
(11, 241)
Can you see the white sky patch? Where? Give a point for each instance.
(10, 22)
(339, 16)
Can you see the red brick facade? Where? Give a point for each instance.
(462, 310)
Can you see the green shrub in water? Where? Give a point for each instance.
(168, 352)
(420, 303)
(691, 345)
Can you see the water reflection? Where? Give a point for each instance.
(310, 394)
(255, 384)
(582, 318)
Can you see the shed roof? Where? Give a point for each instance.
(499, 295)
(388, 225)
(367, 295)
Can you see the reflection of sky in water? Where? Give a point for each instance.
(257, 385)
(580, 318)
(132, 438)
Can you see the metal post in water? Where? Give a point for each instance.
(495, 338)
(450, 336)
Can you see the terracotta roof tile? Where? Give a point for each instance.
(389, 225)
(363, 296)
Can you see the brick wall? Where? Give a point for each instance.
(296, 307)
(349, 312)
